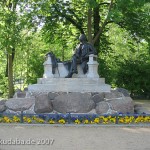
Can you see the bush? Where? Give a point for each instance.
(135, 76)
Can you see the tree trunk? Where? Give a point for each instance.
(10, 75)
(96, 18)
(89, 25)
(63, 54)
(13, 56)
(6, 72)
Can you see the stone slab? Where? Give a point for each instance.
(72, 81)
(70, 85)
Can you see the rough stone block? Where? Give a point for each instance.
(19, 104)
(43, 104)
(73, 102)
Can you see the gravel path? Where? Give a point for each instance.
(74, 137)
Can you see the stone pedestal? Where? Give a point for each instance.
(80, 82)
(70, 85)
(61, 71)
(80, 73)
(48, 68)
(92, 67)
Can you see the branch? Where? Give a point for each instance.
(74, 14)
(104, 24)
(121, 24)
(105, 3)
(109, 22)
(77, 25)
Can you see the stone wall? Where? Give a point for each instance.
(71, 102)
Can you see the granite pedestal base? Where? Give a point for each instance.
(70, 85)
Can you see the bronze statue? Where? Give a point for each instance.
(81, 56)
(54, 61)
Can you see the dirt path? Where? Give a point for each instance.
(75, 137)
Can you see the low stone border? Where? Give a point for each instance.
(79, 125)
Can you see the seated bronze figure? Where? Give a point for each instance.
(81, 56)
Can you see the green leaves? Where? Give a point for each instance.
(115, 16)
(127, 63)
(92, 3)
(134, 16)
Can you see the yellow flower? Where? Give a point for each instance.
(39, 120)
(147, 119)
(62, 121)
(109, 117)
(34, 118)
(121, 120)
(92, 122)
(16, 119)
(101, 117)
(6, 119)
(105, 119)
(96, 120)
(86, 121)
(126, 117)
(51, 121)
(27, 119)
(105, 122)
(77, 121)
(127, 120)
(113, 120)
(24, 118)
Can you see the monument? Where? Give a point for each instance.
(82, 75)
(73, 87)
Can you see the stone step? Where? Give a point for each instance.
(69, 88)
(71, 81)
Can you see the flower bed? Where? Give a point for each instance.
(75, 119)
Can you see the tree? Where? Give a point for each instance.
(74, 13)
(127, 63)
(9, 37)
(93, 16)
(13, 21)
